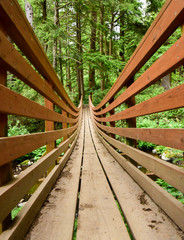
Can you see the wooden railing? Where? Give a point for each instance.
(169, 19)
(36, 71)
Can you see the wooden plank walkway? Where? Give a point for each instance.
(87, 192)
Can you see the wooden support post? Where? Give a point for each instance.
(103, 115)
(71, 124)
(112, 124)
(5, 170)
(131, 122)
(64, 125)
(49, 126)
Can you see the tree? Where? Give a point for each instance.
(92, 44)
(79, 63)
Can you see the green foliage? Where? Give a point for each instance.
(15, 211)
(38, 153)
(75, 229)
(145, 145)
(173, 191)
(17, 129)
(98, 95)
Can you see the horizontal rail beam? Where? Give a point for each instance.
(14, 147)
(172, 207)
(173, 138)
(32, 207)
(168, 100)
(22, 69)
(22, 34)
(170, 173)
(168, 62)
(15, 190)
(14, 103)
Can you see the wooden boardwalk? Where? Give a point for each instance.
(89, 191)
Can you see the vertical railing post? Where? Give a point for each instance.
(49, 126)
(71, 124)
(103, 115)
(131, 122)
(5, 170)
(64, 125)
(112, 124)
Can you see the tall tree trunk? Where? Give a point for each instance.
(68, 77)
(60, 62)
(79, 64)
(56, 22)
(29, 12)
(111, 30)
(92, 46)
(44, 7)
(44, 14)
(122, 34)
(101, 44)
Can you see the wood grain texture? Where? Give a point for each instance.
(56, 217)
(170, 173)
(171, 99)
(158, 136)
(99, 217)
(169, 18)
(14, 103)
(145, 219)
(16, 64)
(169, 61)
(14, 191)
(11, 147)
(171, 206)
(22, 34)
(31, 209)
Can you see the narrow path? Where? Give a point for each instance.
(95, 192)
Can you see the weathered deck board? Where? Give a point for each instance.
(99, 217)
(145, 218)
(56, 218)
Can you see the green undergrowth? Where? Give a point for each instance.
(170, 189)
(75, 228)
(15, 211)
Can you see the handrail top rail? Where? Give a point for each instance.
(169, 18)
(20, 31)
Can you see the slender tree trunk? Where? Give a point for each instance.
(122, 34)
(29, 12)
(44, 12)
(111, 30)
(68, 75)
(56, 22)
(92, 46)
(60, 62)
(101, 44)
(79, 64)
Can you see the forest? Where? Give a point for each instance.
(88, 44)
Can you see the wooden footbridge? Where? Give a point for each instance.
(92, 187)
